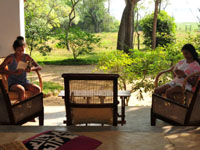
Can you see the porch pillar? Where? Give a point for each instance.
(11, 24)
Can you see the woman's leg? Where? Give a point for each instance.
(33, 88)
(170, 93)
(162, 89)
(19, 89)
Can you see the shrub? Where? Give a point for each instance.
(139, 68)
(165, 33)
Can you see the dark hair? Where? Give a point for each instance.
(18, 42)
(190, 48)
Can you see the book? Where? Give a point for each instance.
(22, 65)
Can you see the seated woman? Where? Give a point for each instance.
(183, 68)
(17, 78)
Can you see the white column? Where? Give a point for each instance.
(11, 24)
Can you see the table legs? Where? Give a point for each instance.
(122, 121)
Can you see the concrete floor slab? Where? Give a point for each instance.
(136, 134)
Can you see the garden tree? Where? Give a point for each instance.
(125, 33)
(137, 10)
(39, 21)
(197, 39)
(163, 4)
(109, 6)
(81, 42)
(137, 29)
(139, 68)
(72, 16)
(198, 18)
(94, 17)
(156, 11)
(157, 2)
(165, 32)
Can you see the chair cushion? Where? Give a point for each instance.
(60, 140)
(92, 115)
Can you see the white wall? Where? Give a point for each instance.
(11, 24)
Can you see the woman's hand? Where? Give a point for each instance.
(37, 68)
(28, 69)
(180, 73)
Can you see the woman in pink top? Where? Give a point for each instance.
(183, 68)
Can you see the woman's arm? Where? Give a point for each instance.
(4, 70)
(34, 66)
(3, 65)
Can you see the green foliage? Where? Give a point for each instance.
(197, 41)
(39, 21)
(45, 49)
(140, 67)
(95, 18)
(147, 63)
(193, 39)
(116, 62)
(173, 53)
(51, 87)
(109, 24)
(145, 66)
(165, 33)
(80, 42)
(187, 26)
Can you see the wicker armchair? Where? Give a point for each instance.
(91, 98)
(14, 96)
(174, 112)
(186, 96)
(21, 112)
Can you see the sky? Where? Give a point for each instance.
(181, 10)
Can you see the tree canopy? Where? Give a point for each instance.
(165, 33)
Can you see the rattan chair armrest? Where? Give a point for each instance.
(4, 80)
(40, 79)
(160, 73)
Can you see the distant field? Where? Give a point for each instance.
(64, 57)
(108, 44)
(187, 26)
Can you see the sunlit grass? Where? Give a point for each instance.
(108, 43)
(51, 87)
(182, 36)
(64, 57)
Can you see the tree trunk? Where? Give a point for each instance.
(155, 24)
(133, 27)
(109, 6)
(137, 31)
(125, 33)
(72, 16)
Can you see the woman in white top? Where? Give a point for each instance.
(183, 68)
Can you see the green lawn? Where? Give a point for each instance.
(108, 43)
(187, 26)
(64, 57)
